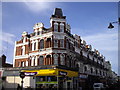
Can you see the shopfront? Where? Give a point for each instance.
(53, 78)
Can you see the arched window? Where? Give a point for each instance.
(48, 43)
(85, 68)
(42, 44)
(55, 59)
(41, 59)
(55, 27)
(91, 70)
(62, 59)
(48, 60)
(61, 27)
(100, 72)
(96, 71)
(55, 43)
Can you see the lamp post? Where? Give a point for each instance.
(111, 24)
(22, 76)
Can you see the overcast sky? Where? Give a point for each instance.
(89, 20)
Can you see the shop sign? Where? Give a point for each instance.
(62, 73)
(30, 73)
(83, 76)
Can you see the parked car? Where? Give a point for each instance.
(98, 86)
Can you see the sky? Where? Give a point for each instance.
(87, 19)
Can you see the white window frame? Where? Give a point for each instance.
(61, 27)
(55, 59)
(55, 27)
(62, 43)
(41, 44)
(56, 43)
(62, 59)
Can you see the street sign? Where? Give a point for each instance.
(22, 75)
(62, 73)
(30, 73)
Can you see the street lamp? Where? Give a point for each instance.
(111, 26)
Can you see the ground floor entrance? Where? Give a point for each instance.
(54, 82)
(58, 79)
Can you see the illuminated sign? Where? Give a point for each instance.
(62, 73)
(30, 73)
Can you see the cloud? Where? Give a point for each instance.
(39, 6)
(7, 38)
(107, 41)
(107, 44)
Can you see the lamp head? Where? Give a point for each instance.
(110, 26)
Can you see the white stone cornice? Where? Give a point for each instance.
(21, 56)
(21, 44)
(42, 36)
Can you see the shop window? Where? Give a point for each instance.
(55, 27)
(62, 43)
(42, 44)
(51, 78)
(41, 78)
(62, 59)
(55, 59)
(55, 43)
(41, 60)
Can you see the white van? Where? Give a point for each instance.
(98, 86)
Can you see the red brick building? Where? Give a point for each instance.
(48, 46)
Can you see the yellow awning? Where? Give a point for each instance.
(52, 72)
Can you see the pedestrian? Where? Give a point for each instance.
(18, 87)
